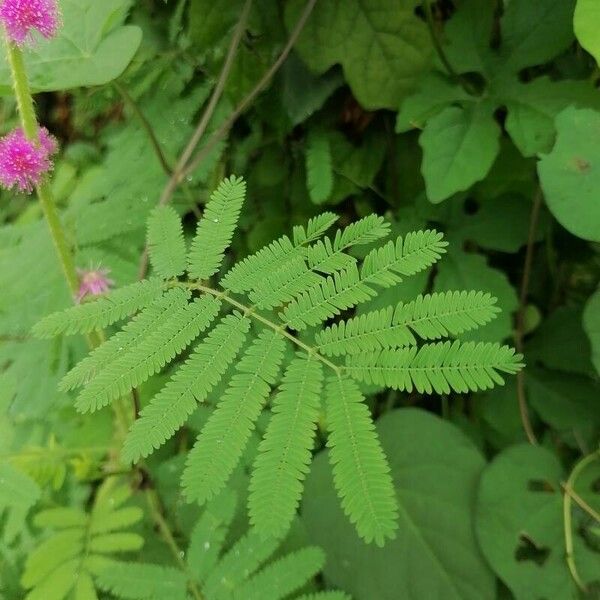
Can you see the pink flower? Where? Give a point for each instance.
(21, 16)
(23, 162)
(93, 282)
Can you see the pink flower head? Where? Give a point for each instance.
(23, 162)
(93, 282)
(21, 16)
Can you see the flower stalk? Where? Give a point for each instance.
(44, 193)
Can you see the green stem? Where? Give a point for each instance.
(251, 312)
(63, 251)
(31, 130)
(163, 527)
(568, 516)
(440, 50)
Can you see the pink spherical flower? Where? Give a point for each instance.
(23, 163)
(20, 17)
(93, 282)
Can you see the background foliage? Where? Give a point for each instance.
(479, 118)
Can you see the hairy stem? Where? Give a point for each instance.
(520, 328)
(251, 312)
(30, 128)
(568, 496)
(165, 531)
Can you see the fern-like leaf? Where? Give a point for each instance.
(285, 452)
(138, 362)
(291, 279)
(216, 228)
(319, 171)
(224, 437)
(439, 367)
(328, 256)
(135, 581)
(244, 274)
(284, 576)
(261, 265)
(431, 317)
(208, 535)
(138, 328)
(385, 266)
(190, 385)
(360, 470)
(242, 560)
(100, 312)
(166, 246)
(339, 292)
(314, 229)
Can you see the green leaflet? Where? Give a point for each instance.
(101, 312)
(439, 367)
(223, 439)
(285, 451)
(431, 316)
(166, 246)
(131, 580)
(157, 347)
(383, 266)
(215, 229)
(360, 470)
(190, 385)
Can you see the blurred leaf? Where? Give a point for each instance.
(435, 470)
(587, 24)
(520, 525)
(381, 44)
(569, 174)
(591, 325)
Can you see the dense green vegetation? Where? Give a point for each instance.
(306, 305)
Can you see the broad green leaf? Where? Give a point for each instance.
(591, 324)
(560, 342)
(459, 147)
(434, 94)
(468, 35)
(435, 470)
(535, 31)
(586, 23)
(91, 48)
(381, 44)
(570, 174)
(520, 528)
(532, 108)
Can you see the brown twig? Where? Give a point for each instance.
(177, 174)
(146, 125)
(520, 328)
(221, 132)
